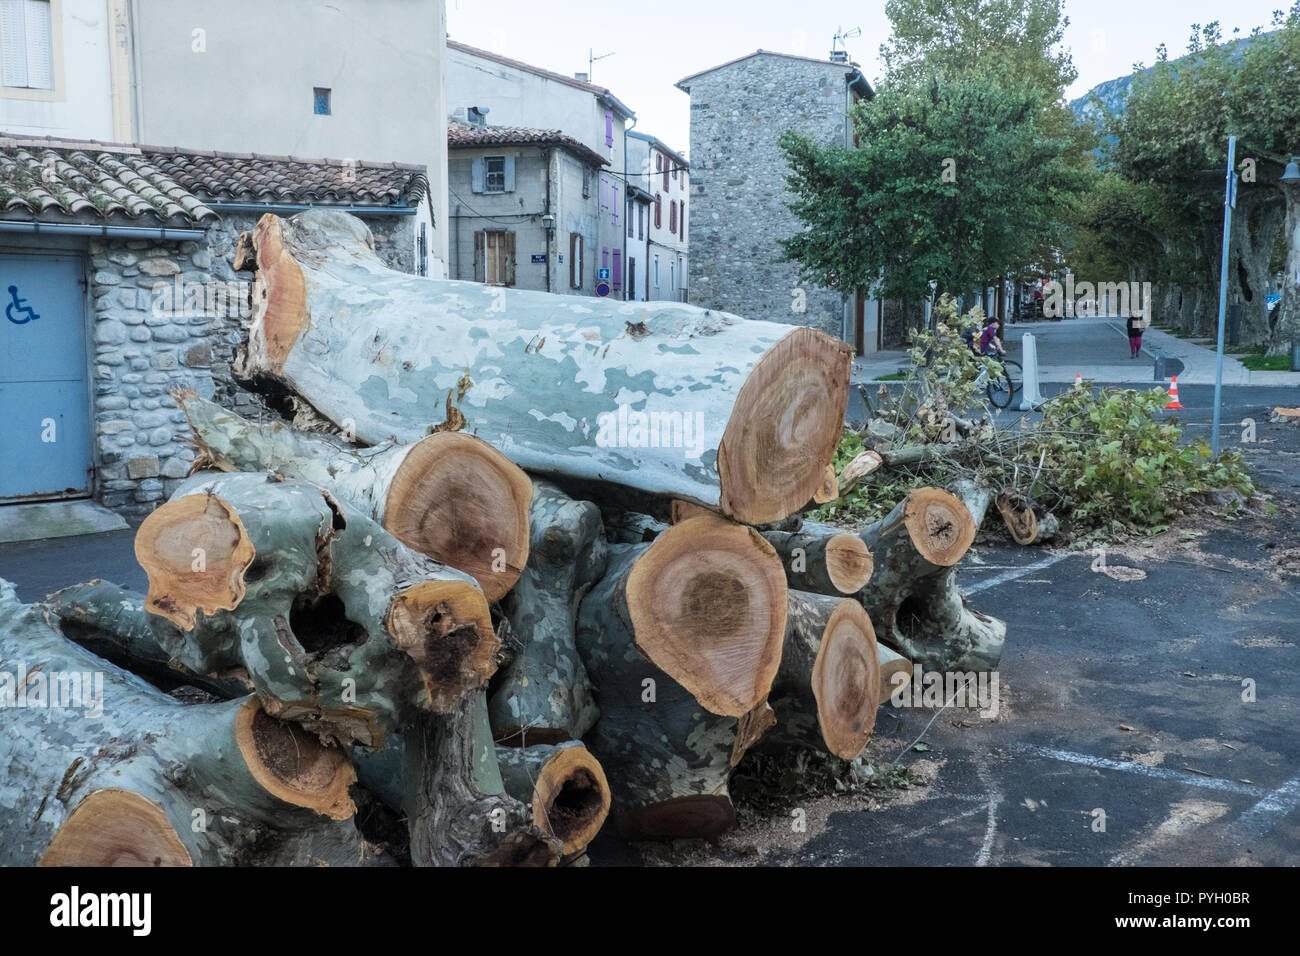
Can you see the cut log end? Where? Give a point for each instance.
(830, 487)
(702, 816)
(786, 424)
(939, 525)
(708, 604)
(846, 680)
(195, 551)
(446, 627)
(279, 298)
(571, 798)
(293, 765)
(462, 502)
(115, 827)
(848, 563)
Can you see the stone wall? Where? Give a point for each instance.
(169, 315)
(738, 194)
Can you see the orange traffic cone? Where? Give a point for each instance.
(1078, 379)
(1173, 394)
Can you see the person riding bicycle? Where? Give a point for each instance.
(989, 343)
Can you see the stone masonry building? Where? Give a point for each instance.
(118, 259)
(738, 195)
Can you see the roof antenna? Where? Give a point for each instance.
(840, 53)
(591, 61)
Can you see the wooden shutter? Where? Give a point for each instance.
(609, 127)
(480, 256)
(508, 258)
(575, 260)
(667, 166)
(659, 211)
(510, 174)
(672, 217)
(681, 222)
(477, 171)
(617, 272)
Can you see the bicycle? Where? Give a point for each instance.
(1003, 387)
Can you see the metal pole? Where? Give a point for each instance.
(1228, 202)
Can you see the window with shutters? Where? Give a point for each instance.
(631, 277)
(586, 182)
(659, 213)
(640, 221)
(27, 44)
(672, 217)
(494, 256)
(672, 276)
(609, 128)
(656, 271)
(616, 273)
(575, 260)
(681, 232)
(494, 174)
(667, 163)
(631, 226)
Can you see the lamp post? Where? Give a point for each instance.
(1229, 201)
(1288, 321)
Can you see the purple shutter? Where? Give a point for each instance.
(617, 273)
(609, 127)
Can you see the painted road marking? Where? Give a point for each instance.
(1162, 773)
(1282, 800)
(1006, 576)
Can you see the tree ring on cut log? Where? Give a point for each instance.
(846, 680)
(463, 503)
(707, 603)
(939, 525)
(784, 428)
(848, 563)
(446, 628)
(700, 816)
(571, 798)
(194, 551)
(295, 767)
(116, 827)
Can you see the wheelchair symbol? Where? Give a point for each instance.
(18, 305)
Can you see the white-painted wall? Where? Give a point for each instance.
(671, 249)
(81, 105)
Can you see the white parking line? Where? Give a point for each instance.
(1164, 773)
(1282, 800)
(1006, 576)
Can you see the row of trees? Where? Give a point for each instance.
(971, 168)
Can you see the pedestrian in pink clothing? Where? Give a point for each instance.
(1135, 326)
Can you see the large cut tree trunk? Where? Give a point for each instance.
(457, 807)
(745, 415)
(118, 773)
(826, 693)
(450, 495)
(336, 623)
(563, 784)
(111, 621)
(682, 638)
(544, 694)
(825, 563)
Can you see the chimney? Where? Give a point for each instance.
(839, 56)
(476, 116)
(581, 76)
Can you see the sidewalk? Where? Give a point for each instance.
(1098, 349)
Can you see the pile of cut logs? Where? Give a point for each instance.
(509, 563)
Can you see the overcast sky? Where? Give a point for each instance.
(655, 44)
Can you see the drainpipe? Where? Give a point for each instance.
(166, 233)
(455, 228)
(547, 229)
(623, 236)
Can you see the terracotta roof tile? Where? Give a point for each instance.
(462, 136)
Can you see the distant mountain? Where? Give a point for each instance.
(1114, 92)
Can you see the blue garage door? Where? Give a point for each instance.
(44, 399)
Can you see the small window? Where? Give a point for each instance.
(321, 101)
(494, 180)
(586, 182)
(631, 226)
(659, 213)
(25, 33)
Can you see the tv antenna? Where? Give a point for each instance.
(841, 35)
(591, 61)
